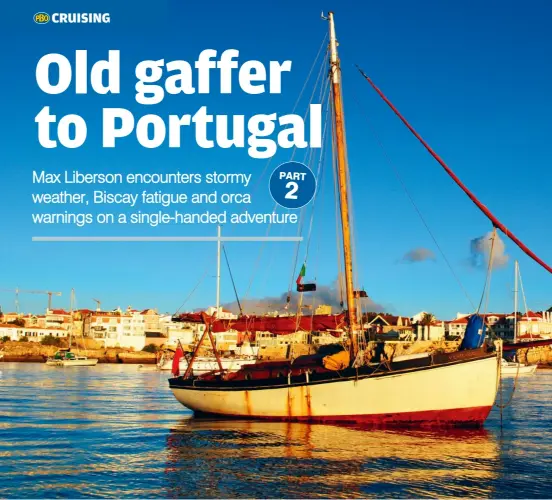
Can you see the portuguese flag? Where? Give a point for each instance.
(301, 275)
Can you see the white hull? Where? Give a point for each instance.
(455, 393)
(510, 369)
(207, 364)
(72, 362)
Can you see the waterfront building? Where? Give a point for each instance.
(222, 313)
(35, 320)
(382, 323)
(183, 331)
(57, 318)
(10, 317)
(116, 328)
(151, 321)
(529, 324)
(31, 333)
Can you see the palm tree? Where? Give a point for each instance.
(427, 320)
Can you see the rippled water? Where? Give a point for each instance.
(116, 431)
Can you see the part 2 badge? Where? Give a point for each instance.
(292, 185)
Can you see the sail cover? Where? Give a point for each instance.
(279, 325)
(283, 325)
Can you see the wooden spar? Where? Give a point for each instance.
(207, 330)
(335, 75)
(458, 182)
(188, 371)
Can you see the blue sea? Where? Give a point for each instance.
(116, 431)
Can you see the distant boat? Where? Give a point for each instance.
(513, 369)
(205, 364)
(64, 357)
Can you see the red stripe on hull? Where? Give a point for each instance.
(459, 417)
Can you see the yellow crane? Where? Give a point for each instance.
(17, 291)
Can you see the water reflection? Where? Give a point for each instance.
(115, 431)
(247, 458)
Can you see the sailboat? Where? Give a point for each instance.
(457, 388)
(513, 368)
(65, 357)
(205, 364)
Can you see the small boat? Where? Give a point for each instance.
(205, 364)
(513, 369)
(64, 357)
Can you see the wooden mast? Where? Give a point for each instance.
(342, 170)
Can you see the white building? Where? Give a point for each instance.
(32, 333)
(222, 313)
(185, 332)
(116, 329)
(530, 324)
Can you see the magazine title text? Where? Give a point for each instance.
(155, 79)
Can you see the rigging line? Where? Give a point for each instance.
(308, 154)
(460, 184)
(318, 238)
(490, 273)
(320, 73)
(413, 203)
(310, 71)
(312, 157)
(319, 170)
(314, 62)
(194, 289)
(232, 279)
(525, 304)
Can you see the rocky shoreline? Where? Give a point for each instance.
(32, 352)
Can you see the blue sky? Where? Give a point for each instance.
(473, 77)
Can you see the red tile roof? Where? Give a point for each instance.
(460, 321)
(58, 311)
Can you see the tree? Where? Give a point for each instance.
(427, 320)
(550, 310)
(51, 340)
(150, 348)
(5, 339)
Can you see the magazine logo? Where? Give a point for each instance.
(41, 18)
(73, 17)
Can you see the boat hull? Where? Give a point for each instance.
(454, 394)
(72, 362)
(512, 371)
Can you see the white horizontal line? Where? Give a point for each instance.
(167, 238)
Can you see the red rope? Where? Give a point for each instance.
(472, 197)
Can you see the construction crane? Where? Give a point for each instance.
(98, 304)
(17, 291)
